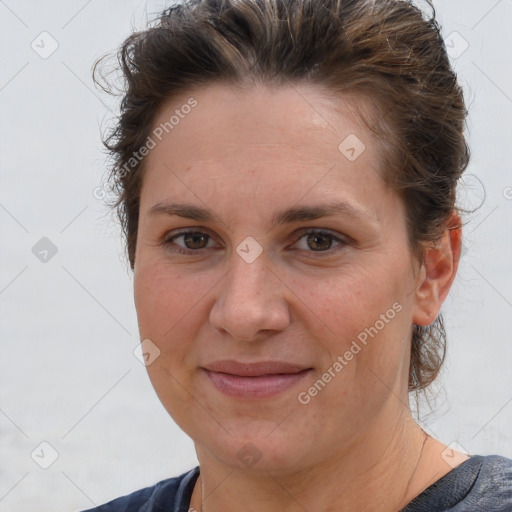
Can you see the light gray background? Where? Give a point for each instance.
(68, 374)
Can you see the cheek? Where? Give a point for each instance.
(345, 303)
(163, 297)
(168, 305)
(361, 316)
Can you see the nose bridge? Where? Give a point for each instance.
(246, 284)
(249, 300)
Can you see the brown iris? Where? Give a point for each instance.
(319, 241)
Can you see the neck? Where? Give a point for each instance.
(379, 471)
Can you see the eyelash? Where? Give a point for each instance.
(170, 244)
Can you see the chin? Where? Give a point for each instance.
(255, 450)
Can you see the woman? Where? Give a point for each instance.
(286, 174)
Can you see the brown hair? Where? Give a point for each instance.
(388, 50)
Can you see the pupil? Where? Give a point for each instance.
(319, 242)
(195, 240)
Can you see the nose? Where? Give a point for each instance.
(251, 300)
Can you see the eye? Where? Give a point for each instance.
(310, 240)
(190, 241)
(317, 240)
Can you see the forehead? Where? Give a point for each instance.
(301, 118)
(263, 144)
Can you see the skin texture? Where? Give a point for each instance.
(244, 155)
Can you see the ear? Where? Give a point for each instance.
(436, 275)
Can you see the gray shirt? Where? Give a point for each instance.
(480, 484)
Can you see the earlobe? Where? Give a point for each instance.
(438, 273)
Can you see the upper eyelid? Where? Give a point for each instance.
(185, 231)
(304, 231)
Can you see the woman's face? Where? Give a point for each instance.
(272, 276)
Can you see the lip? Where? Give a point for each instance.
(262, 379)
(255, 368)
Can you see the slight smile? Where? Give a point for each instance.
(262, 379)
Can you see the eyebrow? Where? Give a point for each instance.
(306, 213)
(187, 211)
(294, 214)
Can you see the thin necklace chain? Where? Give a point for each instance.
(415, 467)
